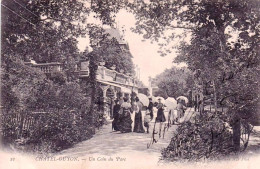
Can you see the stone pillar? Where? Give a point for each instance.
(112, 105)
(103, 101)
(150, 86)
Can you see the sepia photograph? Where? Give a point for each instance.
(130, 84)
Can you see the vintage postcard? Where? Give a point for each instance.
(130, 84)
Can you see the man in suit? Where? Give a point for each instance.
(150, 108)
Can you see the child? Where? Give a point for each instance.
(147, 119)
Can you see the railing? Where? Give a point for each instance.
(102, 73)
(84, 73)
(114, 76)
(111, 74)
(49, 67)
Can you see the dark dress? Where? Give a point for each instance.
(150, 107)
(138, 127)
(115, 122)
(160, 113)
(125, 121)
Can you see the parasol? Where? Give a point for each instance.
(183, 98)
(144, 99)
(171, 103)
(162, 99)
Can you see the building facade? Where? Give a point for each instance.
(111, 83)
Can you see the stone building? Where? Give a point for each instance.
(111, 83)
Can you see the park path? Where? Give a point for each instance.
(127, 148)
(125, 151)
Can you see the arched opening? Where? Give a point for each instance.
(110, 94)
(99, 100)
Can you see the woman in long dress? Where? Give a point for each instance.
(125, 117)
(160, 113)
(135, 110)
(138, 127)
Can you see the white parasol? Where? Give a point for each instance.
(143, 98)
(171, 103)
(162, 99)
(183, 98)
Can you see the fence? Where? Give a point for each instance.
(20, 124)
(34, 128)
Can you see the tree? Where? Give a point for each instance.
(45, 31)
(116, 55)
(209, 50)
(174, 82)
(21, 82)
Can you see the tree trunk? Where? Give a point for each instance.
(202, 98)
(92, 75)
(215, 96)
(237, 123)
(236, 133)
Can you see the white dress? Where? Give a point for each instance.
(135, 109)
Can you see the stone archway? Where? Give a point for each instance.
(99, 100)
(110, 92)
(110, 95)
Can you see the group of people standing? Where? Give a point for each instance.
(122, 116)
(128, 117)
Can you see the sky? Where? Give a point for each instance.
(144, 52)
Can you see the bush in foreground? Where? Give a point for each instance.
(209, 137)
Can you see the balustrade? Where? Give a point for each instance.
(106, 74)
(103, 73)
(48, 67)
(110, 75)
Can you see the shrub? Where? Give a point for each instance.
(99, 117)
(29, 90)
(58, 131)
(210, 137)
